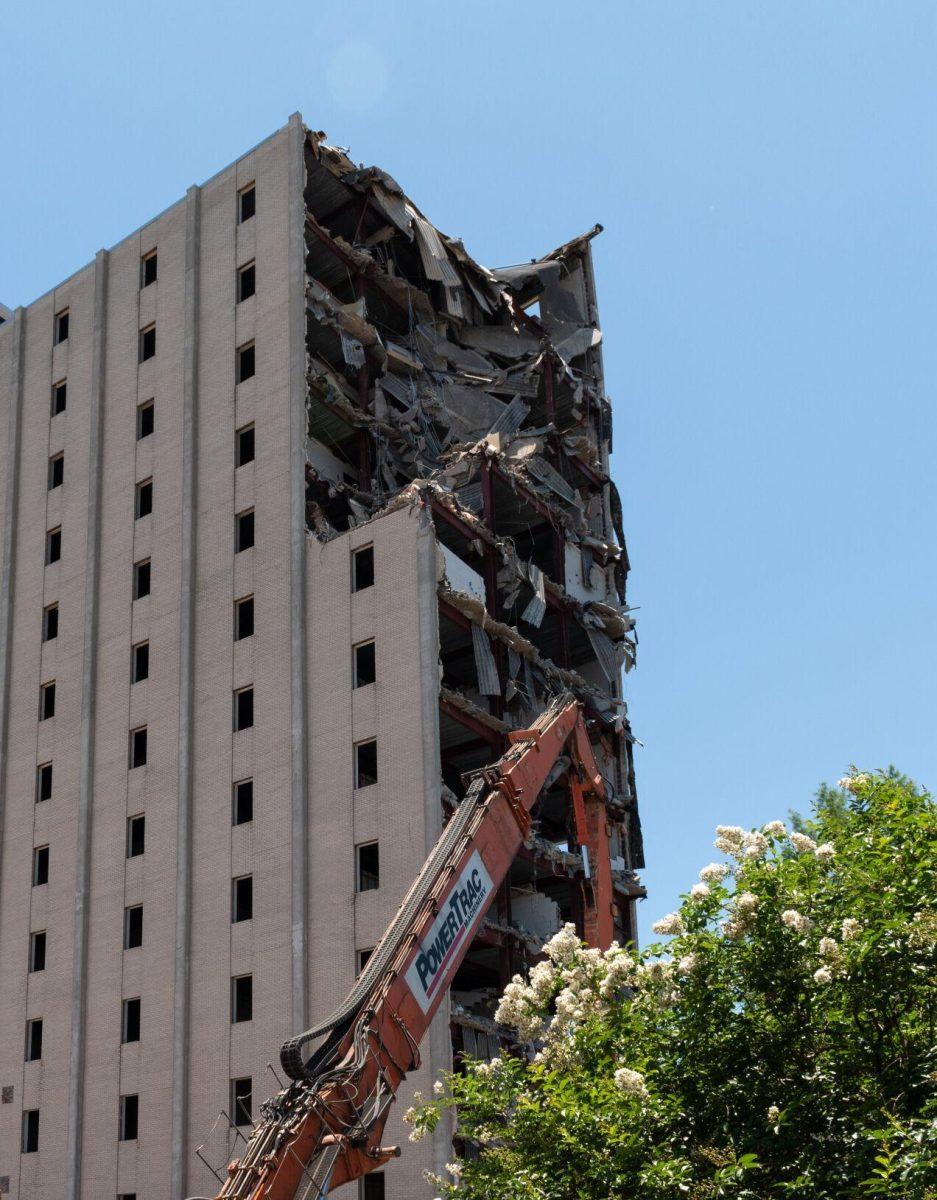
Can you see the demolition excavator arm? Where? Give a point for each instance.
(325, 1128)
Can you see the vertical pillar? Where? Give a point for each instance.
(8, 548)
(299, 769)
(76, 1062)
(187, 590)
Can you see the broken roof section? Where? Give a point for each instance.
(478, 394)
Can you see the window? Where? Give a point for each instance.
(245, 362)
(127, 1196)
(242, 898)
(369, 867)
(148, 269)
(372, 1186)
(244, 708)
(130, 1020)
(140, 662)
(50, 622)
(243, 618)
(244, 446)
(241, 1101)
(362, 569)
(47, 701)
(144, 499)
(56, 471)
(364, 664)
(37, 951)
(44, 782)
(34, 1040)
(133, 927)
(53, 545)
(40, 866)
(147, 343)
(246, 282)
(243, 806)
(138, 747)
(145, 414)
(365, 763)
(60, 327)
(136, 835)
(242, 998)
(30, 1143)
(129, 1118)
(141, 579)
(247, 203)
(59, 397)
(244, 531)
(362, 958)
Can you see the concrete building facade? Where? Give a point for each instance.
(302, 510)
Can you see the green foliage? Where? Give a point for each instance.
(780, 1045)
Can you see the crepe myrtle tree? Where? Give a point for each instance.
(780, 1044)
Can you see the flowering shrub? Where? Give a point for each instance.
(780, 1045)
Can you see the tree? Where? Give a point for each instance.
(779, 1045)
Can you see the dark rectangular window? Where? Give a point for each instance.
(243, 806)
(30, 1143)
(34, 1040)
(59, 397)
(148, 265)
(362, 569)
(40, 866)
(44, 782)
(369, 867)
(130, 1020)
(56, 471)
(147, 343)
(129, 1118)
(60, 327)
(244, 531)
(138, 747)
(242, 998)
(37, 951)
(365, 763)
(47, 701)
(247, 201)
(245, 362)
(53, 545)
(246, 282)
(243, 618)
(136, 835)
(145, 414)
(362, 958)
(133, 927)
(244, 446)
(241, 1104)
(141, 579)
(242, 898)
(144, 499)
(372, 1186)
(50, 622)
(140, 662)
(364, 664)
(244, 708)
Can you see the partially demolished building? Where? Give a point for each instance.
(332, 516)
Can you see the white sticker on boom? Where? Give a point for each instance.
(449, 932)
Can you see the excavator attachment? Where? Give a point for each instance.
(325, 1128)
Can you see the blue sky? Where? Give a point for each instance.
(767, 177)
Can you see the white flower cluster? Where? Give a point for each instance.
(699, 891)
(730, 839)
(714, 873)
(755, 845)
(801, 843)
(775, 829)
(687, 964)
(851, 928)
(671, 924)
(630, 1081)
(823, 975)
(852, 783)
(796, 921)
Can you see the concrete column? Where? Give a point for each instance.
(17, 334)
(180, 998)
(76, 1063)
(299, 771)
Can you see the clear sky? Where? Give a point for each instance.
(767, 177)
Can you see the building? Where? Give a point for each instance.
(302, 510)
